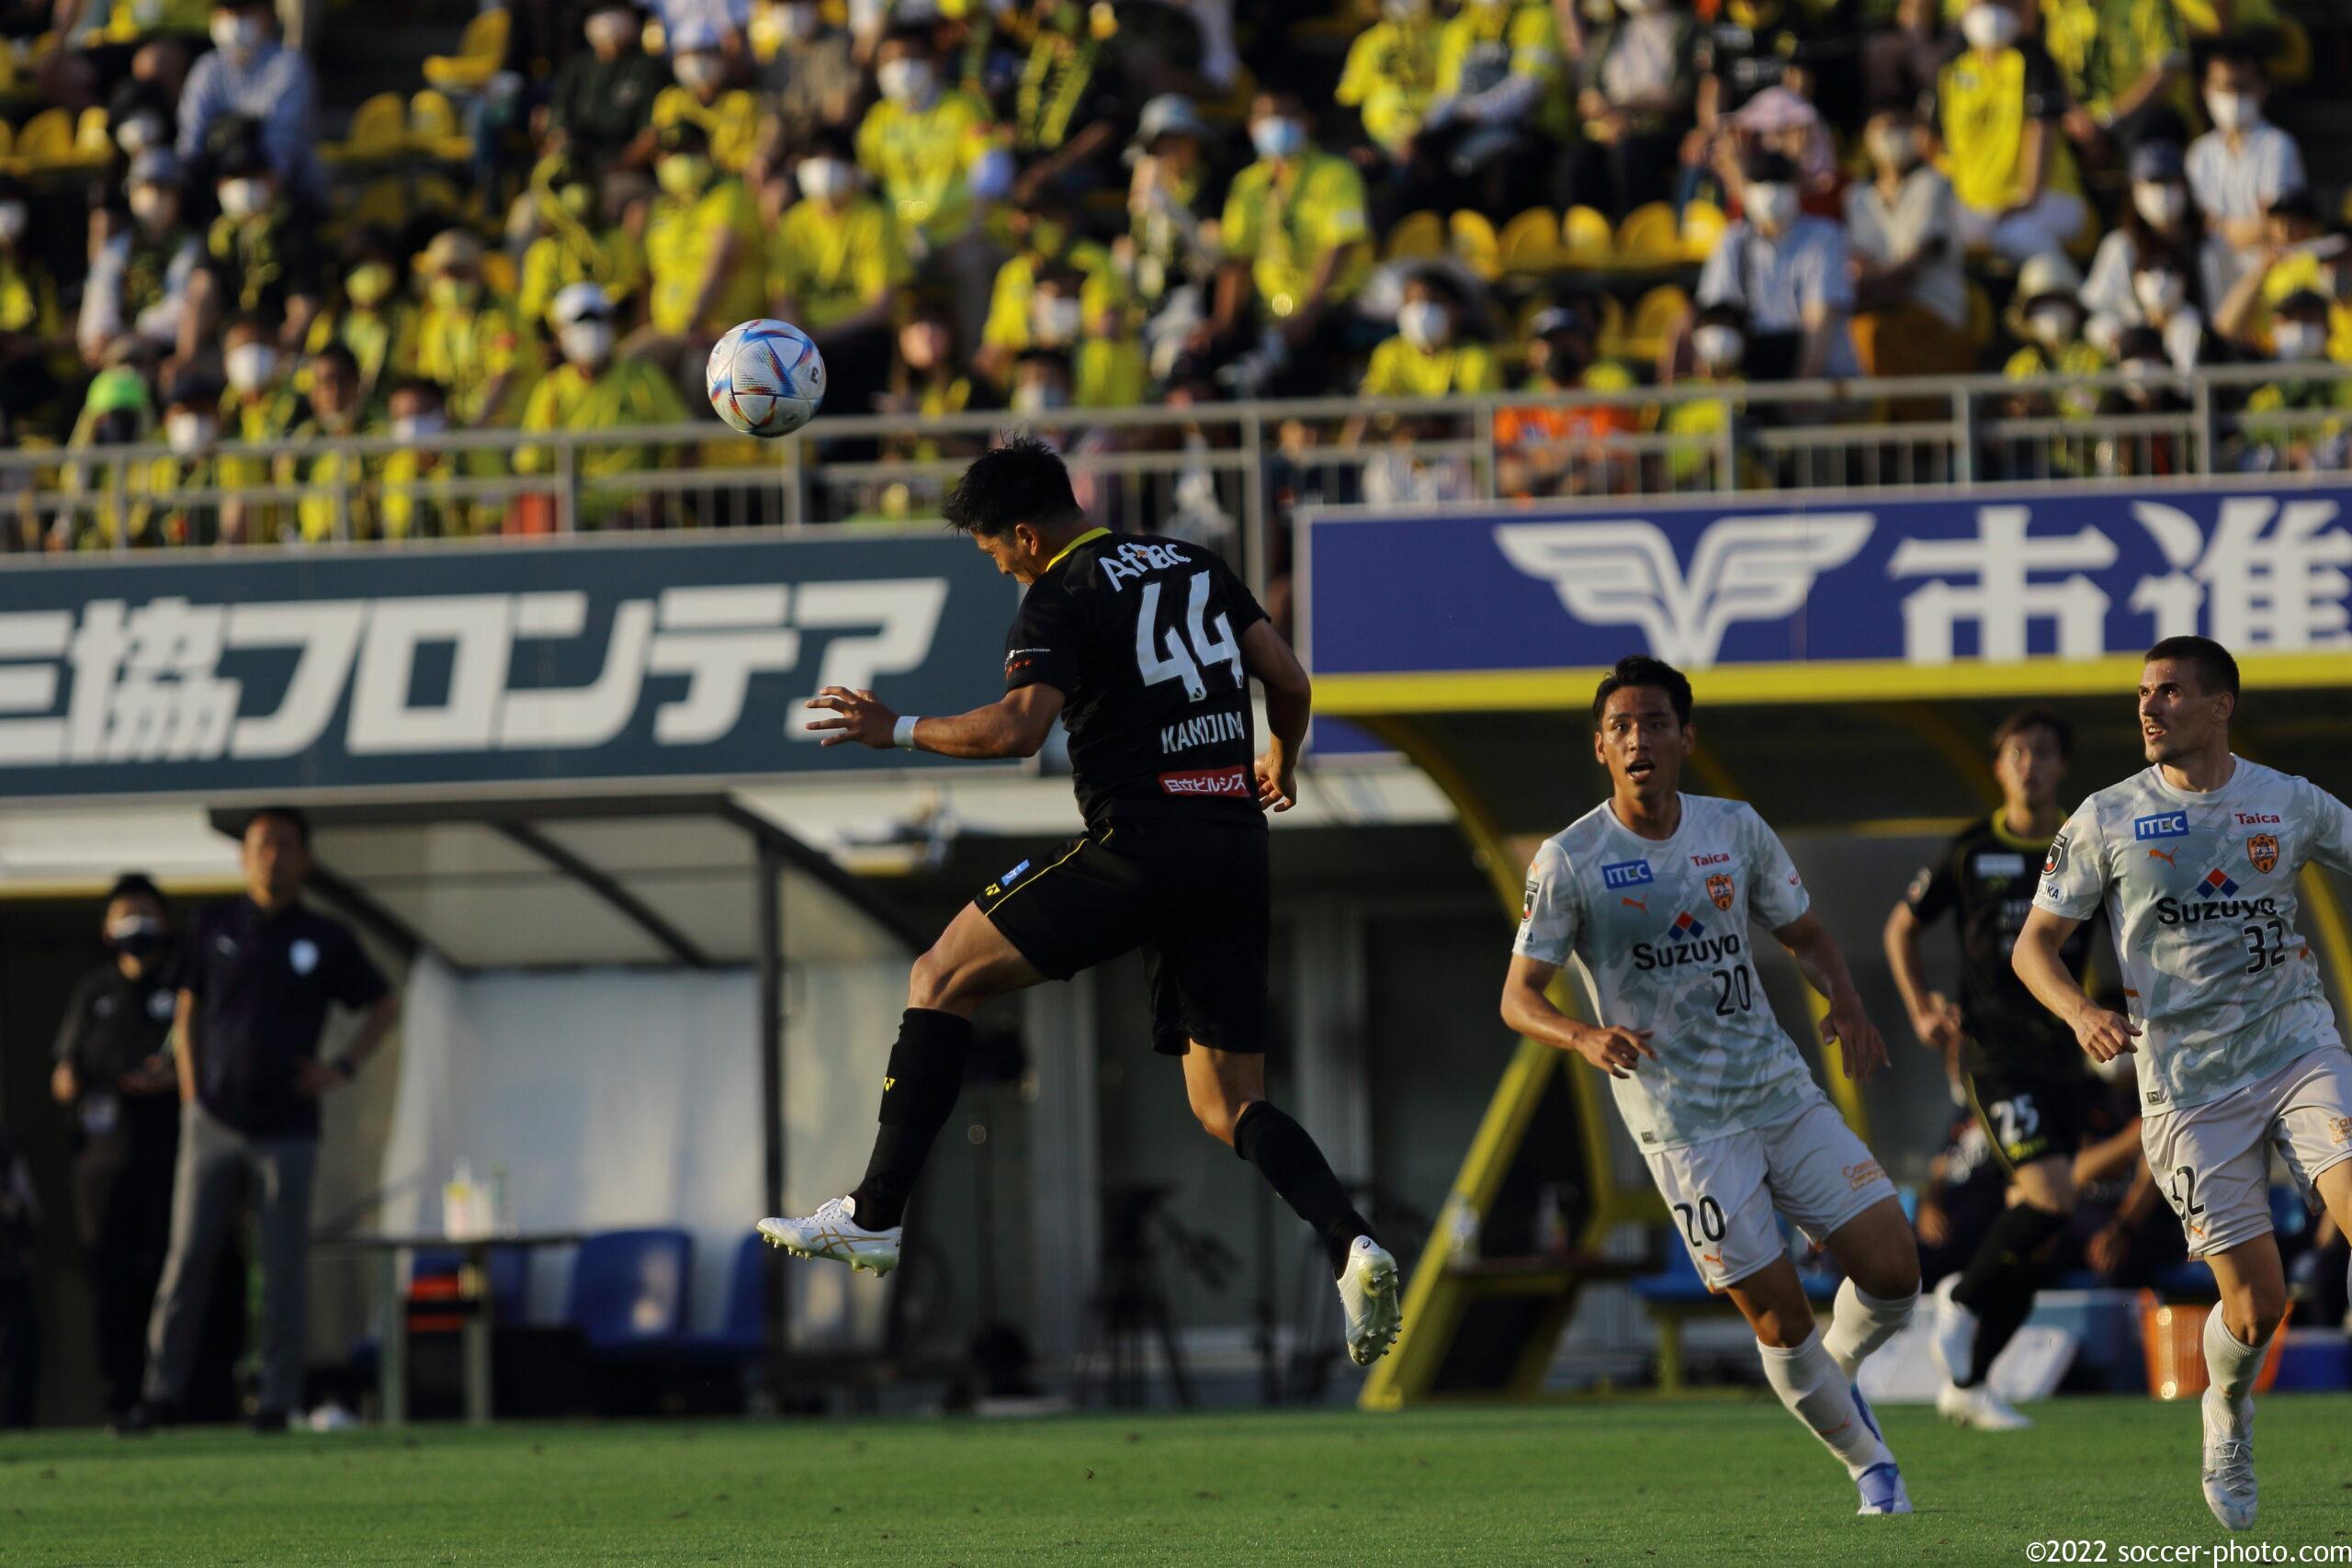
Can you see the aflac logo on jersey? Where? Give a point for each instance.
(2163, 825)
(1627, 874)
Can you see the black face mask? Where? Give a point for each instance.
(1564, 362)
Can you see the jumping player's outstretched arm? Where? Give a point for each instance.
(1015, 725)
(1289, 701)
(1528, 1009)
(2103, 1035)
(1824, 968)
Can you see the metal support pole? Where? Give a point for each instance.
(1256, 548)
(1964, 436)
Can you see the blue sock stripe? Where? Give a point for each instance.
(1862, 1408)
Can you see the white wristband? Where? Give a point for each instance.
(902, 734)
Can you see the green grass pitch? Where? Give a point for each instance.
(1620, 1481)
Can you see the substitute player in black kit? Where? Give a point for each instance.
(2027, 1083)
(1144, 648)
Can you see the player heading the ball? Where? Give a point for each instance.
(1654, 894)
(2194, 859)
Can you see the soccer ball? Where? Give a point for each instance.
(765, 378)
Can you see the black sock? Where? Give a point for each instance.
(1999, 1281)
(1296, 1169)
(919, 1091)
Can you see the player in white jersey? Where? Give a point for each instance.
(2195, 861)
(1652, 893)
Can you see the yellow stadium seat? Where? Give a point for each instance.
(434, 130)
(1648, 237)
(381, 204)
(1416, 237)
(1472, 240)
(47, 139)
(1584, 233)
(1702, 225)
(1530, 242)
(93, 138)
(499, 275)
(1609, 342)
(378, 133)
(481, 50)
(1654, 316)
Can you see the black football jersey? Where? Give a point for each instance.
(1985, 876)
(1142, 635)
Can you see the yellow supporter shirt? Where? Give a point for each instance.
(383, 342)
(1981, 107)
(1281, 218)
(732, 123)
(1482, 35)
(1007, 322)
(920, 158)
(1400, 371)
(680, 239)
(831, 266)
(467, 347)
(1390, 77)
(612, 260)
(630, 393)
(1109, 373)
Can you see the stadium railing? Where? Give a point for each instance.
(1221, 472)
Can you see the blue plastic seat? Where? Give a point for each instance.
(742, 1336)
(628, 1290)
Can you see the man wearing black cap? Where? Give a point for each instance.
(114, 1069)
(1787, 270)
(256, 977)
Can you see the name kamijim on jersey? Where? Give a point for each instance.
(2201, 891)
(1142, 635)
(1660, 931)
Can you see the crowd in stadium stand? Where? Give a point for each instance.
(1046, 205)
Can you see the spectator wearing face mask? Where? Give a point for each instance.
(2291, 257)
(1106, 362)
(114, 1073)
(259, 406)
(1553, 449)
(1750, 47)
(702, 244)
(373, 315)
(920, 143)
(260, 256)
(1391, 76)
(1501, 108)
(1903, 228)
(165, 513)
(2046, 318)
(599, 111)
(835, 267)
(139, 279)
(594, 388)
(928, 381)
(470, 340)
(1996, 105)
(2168, 302)
(582, 241)
(1166, 253)
(812, 84)
(2238, 169)
(2302, 385)
(116, 411)
(2125, 62)
(251, 74)
(421, 497)
(1042, 386)
(1295, 239)
(1046, 237)
(337, 501)
(728, 116)
(1695, 426)
(1074, 106)
(1636, 86)
(1433, 354)
(1789, 274)
(2159, 219)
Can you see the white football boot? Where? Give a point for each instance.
(1979, 1408)
(1954, 1333)
(1882, 1489)
(2229, 1460)
(1368, 1298)
(834, 1232)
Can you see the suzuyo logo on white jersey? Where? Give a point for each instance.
(1627, 874)
(2162, 825)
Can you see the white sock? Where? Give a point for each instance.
(1862, 1322)
(1821, 1396)
(2230, 1364)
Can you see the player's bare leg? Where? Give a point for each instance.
(970, 963)
(1228, 1093)
(1811, 1384)
(1881, 1260)
(1978, 1310)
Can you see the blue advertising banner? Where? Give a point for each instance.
(366, 669)
(1820, 584)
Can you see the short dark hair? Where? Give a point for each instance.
(2024, 719)
(293, 816)
(1021, 481)
(1641, 670)
(137, 884)
(2216, 670)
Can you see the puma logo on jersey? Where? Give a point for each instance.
(1640, 904)
(2165, 856)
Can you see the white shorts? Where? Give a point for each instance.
(2213, 1160)
(1808, 1164)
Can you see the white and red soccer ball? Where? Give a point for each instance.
(765, 378)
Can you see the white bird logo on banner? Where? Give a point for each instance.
(1621, 572)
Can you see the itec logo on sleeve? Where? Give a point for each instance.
(2163, 825)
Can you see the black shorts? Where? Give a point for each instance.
(1193, 896)
(2031, 1116)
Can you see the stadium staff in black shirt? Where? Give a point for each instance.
(255, 976)
(2025, 1079)
(114, 1067)
(1144, 648)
